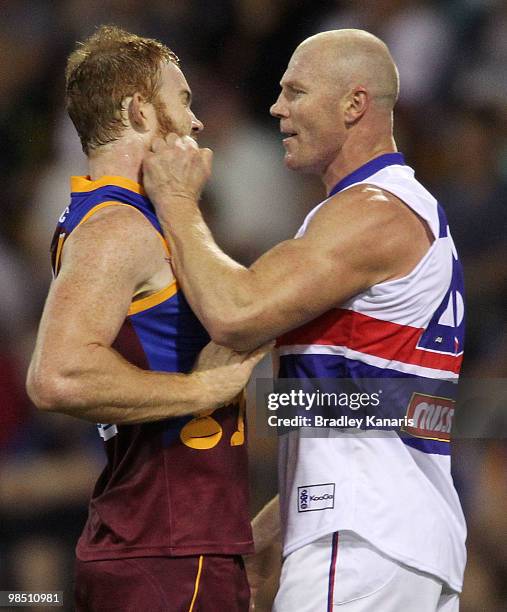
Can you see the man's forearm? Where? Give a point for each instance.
(98, 385)
(103, 387)
(219, 289)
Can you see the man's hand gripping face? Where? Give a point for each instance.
(176, 167)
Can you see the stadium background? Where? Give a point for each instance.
(451, 123)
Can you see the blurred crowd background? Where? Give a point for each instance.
(451, 123)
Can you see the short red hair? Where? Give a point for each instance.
(102, 71)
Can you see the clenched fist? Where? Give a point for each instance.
(175, 167)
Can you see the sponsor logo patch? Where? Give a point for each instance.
(431, 417)
(316, 497)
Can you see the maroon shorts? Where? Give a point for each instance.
(209, 583)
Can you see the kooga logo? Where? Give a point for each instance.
(326, 496)
(303, 499)
(316, 497)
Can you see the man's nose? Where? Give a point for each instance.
(278, 110)
(197, 126)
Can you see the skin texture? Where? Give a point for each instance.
(74, 370)
(340, 111)
(144, 121)
(350, 75)
(335, 111)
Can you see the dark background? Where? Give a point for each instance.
(451, 123)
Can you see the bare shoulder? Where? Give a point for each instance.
(113, 224)
(372, 228)
(369, 204)
(116, 238)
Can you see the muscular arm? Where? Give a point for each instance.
(74, 370)
(360, 237)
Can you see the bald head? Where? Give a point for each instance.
(353, 58)
(336, 101)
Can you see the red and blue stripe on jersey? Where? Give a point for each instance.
(347, 344)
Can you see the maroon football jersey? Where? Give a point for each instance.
(174, 487)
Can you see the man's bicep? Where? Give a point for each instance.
(297, 281)
(337, 257)
(90, 297)
(84, 306)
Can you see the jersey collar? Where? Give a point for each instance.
(369, 168)
(83, 183)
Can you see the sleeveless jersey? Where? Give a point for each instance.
(174, 487)
(394, 491)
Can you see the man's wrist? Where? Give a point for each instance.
(175, 207)
(181, 197)
(201, 392)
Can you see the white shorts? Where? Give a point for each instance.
(342, 572)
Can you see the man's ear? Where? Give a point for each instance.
(139, 113)
(356, 104)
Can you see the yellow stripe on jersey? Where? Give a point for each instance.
(154, 299)
(58, 255)
(84, 184)
(96, 209)
(197, 580)
(102, 205)
(164, 244)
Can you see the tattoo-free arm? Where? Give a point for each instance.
(74, 370)
(360, 237)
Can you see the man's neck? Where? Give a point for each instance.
(367, 140)
(349, 160)
(117, 159)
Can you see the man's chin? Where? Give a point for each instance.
(292, 163)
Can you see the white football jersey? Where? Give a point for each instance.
(394, 491)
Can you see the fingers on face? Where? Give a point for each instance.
(184, 144)
(189, 142)
(157, 144)
(171, 138)
(160, 144)
(207, 157)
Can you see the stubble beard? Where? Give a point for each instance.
(165, 124)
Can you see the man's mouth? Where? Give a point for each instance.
(288, 135)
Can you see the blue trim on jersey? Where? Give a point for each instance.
(430, 447)
(332, 366)
(442, 222)
(369, 168)
(169, 333)
(83, 201)
(332, 573)
(329, 369)
(448, 339)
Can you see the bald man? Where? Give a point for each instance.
(370, 288)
